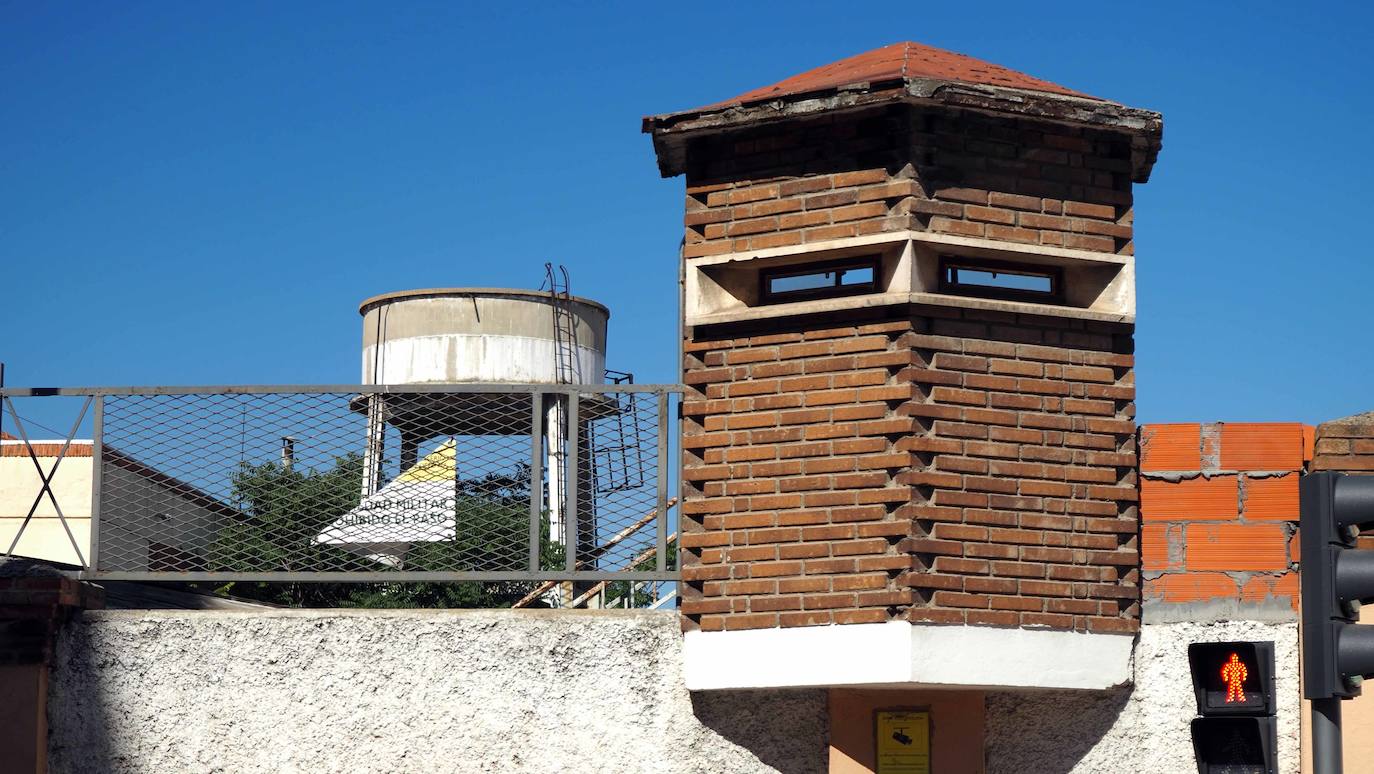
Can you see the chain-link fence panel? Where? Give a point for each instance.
(471, 482)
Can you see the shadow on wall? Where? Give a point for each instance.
(80, 729)
(409, 690)
(765, 723)
(1048, 732)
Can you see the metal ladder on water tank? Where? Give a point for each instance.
(617, 462)
(617, 456)
(617, 446)
(566, 365)
(565, 372)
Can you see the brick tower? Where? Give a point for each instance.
(909, 429)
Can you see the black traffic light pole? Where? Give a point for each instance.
(1326, 736)
(1337, 652)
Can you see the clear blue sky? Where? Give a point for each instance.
(201, 193)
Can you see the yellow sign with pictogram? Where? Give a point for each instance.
(903, 742)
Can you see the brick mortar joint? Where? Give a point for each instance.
(1175, 476)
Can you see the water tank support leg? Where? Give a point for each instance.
(555, 464)
(410, 451)
(376, 445)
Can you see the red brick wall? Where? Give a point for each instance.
(906, 168)
(1219, 511)
(910, 463)
(947, 466)
(1345, 445)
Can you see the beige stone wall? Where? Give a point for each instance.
(152, 511)
(45, 538)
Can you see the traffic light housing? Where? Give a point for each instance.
(1232, 678)
(1235, 745)
(1338, 653)
(1233, 683)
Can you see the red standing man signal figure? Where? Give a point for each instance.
(1233, 673)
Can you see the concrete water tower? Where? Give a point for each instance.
(482, 336)
(478, 335)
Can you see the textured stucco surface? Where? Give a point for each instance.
(1144, 728)
(415, 691)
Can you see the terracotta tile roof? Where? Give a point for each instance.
(915, 74)
(46, 449)
(906, 61)
(43, 448)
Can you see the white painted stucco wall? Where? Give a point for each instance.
(414, 691)
(542, 691)
(1142, 728)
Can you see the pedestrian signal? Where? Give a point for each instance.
(1234, 686)
(1233, 678)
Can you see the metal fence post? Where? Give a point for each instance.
(662, 493)
(97, 477)
(536, 476)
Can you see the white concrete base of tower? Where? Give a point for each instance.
(903, 654)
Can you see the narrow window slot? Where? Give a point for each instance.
(820, 280)
(1000, 279)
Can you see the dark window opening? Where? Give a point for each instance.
(999, 279)
(832, 279)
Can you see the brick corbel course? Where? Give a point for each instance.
(920, 469)
(899, 167)
(928, 464)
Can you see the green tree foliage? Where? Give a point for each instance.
(629, 594)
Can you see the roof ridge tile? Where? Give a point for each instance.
(906, 60)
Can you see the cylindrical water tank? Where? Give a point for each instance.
(479, 336)
(458, 335)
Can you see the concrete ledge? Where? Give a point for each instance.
(898, 654)
(725, 288)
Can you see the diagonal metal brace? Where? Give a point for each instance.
(47, 478)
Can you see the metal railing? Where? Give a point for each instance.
(499, 483)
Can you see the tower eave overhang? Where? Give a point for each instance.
(671, 132)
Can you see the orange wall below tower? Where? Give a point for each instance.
(956, 728)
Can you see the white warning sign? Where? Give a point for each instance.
(418, 506)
